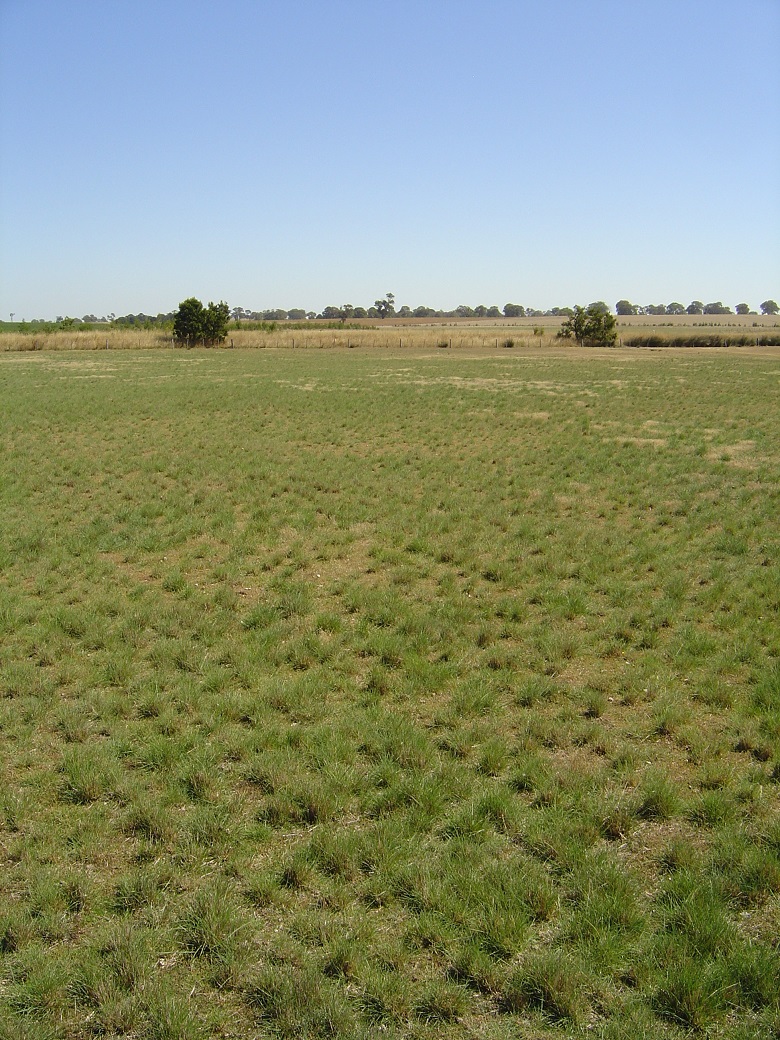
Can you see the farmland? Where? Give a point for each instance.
(402, 333)
(386, 688)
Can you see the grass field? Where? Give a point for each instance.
(421, 693)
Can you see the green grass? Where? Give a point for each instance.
(431, 693)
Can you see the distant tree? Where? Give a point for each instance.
(373, 312)
(675, 308)
(769, 307)
(493, 312)
(716, 308)
(193, 323)
(424, 312)
(405, 312)
(331, 313)
(464, 312)
(655, 308)
(600, 307)
(296, 314)
(514, 310)
(743, 308)
(360, 312)
(346, 312)
(590, 327)
(386, 306)
(480, 311)
(624, 307)
(697, 307)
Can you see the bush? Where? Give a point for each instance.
(593, 326)
(193, 323)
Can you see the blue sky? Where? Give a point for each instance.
(299, 153)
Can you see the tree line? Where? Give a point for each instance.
(625, 307)
(385, 307)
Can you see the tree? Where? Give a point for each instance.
(215, 323)
(590, 327)
(655, 308)
(675, 308)
(697, 307)
(331, 313)
(346, 312)
(188, 321)
(743, 308)
(769, 307)
(624, 307)
(514, 310)
(493, 312)
(716, 308)
(193, 323)
(599, 306)
(386, 306)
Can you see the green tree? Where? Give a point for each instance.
(215, 322)
(675, 308)
(743, 308)
(696, 307)
(193, 323)
(769, 307)
(386, 306)
(188, 322)
(625, 307)
(590, 327)
(514, 310)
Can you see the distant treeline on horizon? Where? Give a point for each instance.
(386, 308)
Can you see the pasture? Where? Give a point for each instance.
(419, 693)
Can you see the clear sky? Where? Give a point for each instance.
(299, 153)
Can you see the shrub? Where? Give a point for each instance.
(590, 327)
(193, 323)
